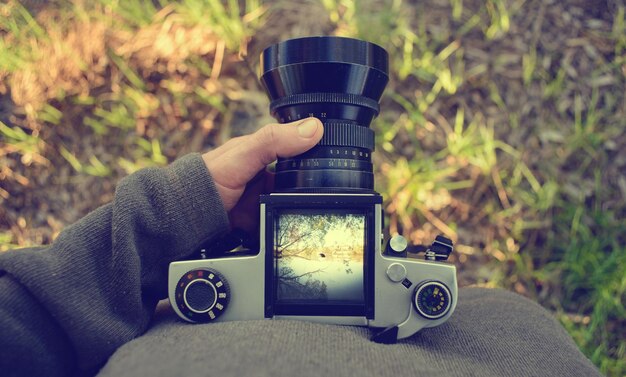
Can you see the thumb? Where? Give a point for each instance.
(244, 157)
(277, 140)
(283, 140)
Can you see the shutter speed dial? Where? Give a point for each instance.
(432, 299)
(202, 295)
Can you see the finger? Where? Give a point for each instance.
(283, 140)
(234, 142)
(253, 152)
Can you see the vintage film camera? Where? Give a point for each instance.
(320, 254)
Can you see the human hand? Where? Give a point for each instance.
(238, 166)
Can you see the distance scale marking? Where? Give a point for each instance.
(205, 288)
(323, 163)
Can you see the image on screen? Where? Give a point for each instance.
(319, 256)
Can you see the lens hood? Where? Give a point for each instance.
(324, 65)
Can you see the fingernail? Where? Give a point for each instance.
(308, 127)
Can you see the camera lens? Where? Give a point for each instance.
(340, 81)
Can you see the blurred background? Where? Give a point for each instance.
(502, 126)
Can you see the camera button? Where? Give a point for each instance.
(396, 272)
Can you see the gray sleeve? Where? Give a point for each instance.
(96, 287)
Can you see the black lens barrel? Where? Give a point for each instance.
(340, 81)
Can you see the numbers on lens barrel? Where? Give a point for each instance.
(309, 163)
(290, 118)
(322, 163)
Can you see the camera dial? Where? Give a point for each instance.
(202, 295)
(432, 299)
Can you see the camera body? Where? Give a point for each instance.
(320, 254)
(320, 259)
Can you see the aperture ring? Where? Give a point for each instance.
(344, 134)
(305, 98)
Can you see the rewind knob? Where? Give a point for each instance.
(202, 295)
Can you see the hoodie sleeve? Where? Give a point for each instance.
(65, 308)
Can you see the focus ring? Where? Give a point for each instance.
(304, 98)
(343, 134)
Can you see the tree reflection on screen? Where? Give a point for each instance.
(320, 256)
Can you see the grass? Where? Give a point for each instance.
(502, 126)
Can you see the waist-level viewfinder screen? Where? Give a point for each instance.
(319, 257)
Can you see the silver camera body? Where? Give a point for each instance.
(320, 258)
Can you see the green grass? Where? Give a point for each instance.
(489, 134)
